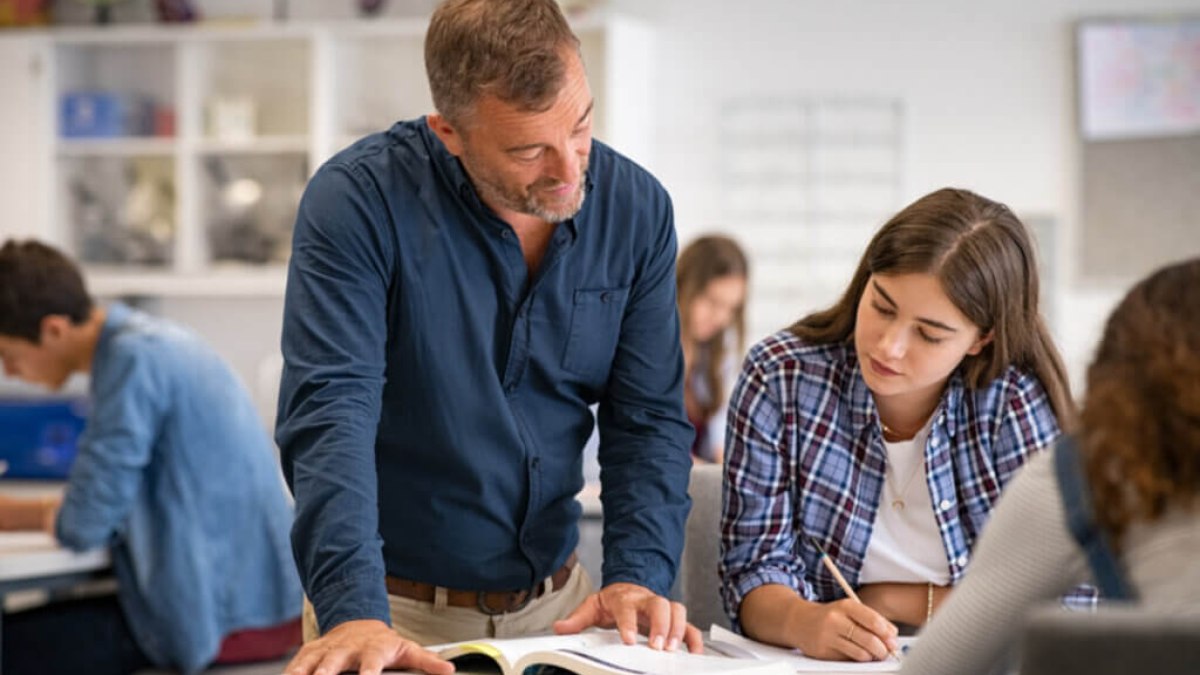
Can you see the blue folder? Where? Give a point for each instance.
(38, 437)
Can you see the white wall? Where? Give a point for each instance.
(986, 85)
(987, 89)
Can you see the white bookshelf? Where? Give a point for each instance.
(314, 88)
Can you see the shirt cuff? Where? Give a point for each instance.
(351, 599)
(737, 591)
(648, 571)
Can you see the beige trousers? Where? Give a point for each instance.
(430, 623)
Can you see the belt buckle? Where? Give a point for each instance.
(481, 603)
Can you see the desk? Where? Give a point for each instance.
(35, 560)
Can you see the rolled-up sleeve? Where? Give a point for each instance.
(334, 344)
(644, 432)
(128, 404)
(757, 532)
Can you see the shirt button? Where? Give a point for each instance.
(962, 561)
(504, 233)
(605, 296)
(945, 505)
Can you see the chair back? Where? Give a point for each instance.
(1121, 639)
(699, 585)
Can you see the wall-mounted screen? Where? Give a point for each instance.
(1138, 78)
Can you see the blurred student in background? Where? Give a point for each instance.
(711, 276)
(174, 473)
(885, 428)
(1130, 477)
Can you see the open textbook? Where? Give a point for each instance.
(594, 653)
(731, 643)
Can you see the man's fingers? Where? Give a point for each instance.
(584, 616)
(305, 661)
(425, 660)
(334, 661)
(678, 625)
(658, 617)
(693, 639)
(371, 662)
(625, 614)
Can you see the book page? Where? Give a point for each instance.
(597, 652)
(508, 652)
(798, 661)
(620, 659)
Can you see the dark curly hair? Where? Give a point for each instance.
(1140, 431)
(37, 281)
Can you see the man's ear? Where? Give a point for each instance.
(981, 343)
(450, 136)
(55, 327)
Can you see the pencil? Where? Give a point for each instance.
(840, 579)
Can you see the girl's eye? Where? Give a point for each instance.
(883, 310)
(929, 338)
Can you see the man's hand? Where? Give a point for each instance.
(368, 646)
(630, 607)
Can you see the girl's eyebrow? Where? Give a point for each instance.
(930, 322)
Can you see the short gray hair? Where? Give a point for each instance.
(512, 49)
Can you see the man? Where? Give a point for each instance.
(462, 287)
(174, 472)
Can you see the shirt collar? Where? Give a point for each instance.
(116, 315)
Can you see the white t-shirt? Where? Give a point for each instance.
(905, 544)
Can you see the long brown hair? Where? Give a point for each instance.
(1140, 425)
(984, 258)
(705, 259)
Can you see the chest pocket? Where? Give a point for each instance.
(595, 329)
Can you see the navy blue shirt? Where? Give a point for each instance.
(434, 402)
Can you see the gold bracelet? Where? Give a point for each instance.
(929, 604)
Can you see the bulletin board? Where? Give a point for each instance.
(1138, 102)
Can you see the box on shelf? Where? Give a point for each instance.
(15, 13)
(106, 114)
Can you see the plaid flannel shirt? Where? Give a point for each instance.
(805, 457)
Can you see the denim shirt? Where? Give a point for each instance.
(434, 402)
(176, 473)
(806, 459)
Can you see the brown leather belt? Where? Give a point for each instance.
(488, 602)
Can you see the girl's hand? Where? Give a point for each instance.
(844, 630)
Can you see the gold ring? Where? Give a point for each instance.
(850, 633)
